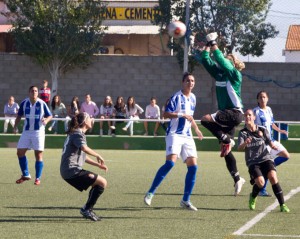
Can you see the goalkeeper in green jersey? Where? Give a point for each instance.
(222, 124)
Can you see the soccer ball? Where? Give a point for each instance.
(176, 29)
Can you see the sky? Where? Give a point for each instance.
(283, 13)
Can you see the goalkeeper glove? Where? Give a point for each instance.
(211, 39)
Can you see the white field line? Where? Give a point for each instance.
(262, 235)
(261, 215)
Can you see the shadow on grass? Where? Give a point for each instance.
(98, 209)
(47, 208)
(30, 219)
(168, 208)
(194, 194)
(77, 219)
(130, 209)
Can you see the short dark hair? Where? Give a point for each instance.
(33, 86)
(186, 74)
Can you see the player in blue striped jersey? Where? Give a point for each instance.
(264, 117)
(37, 115)
(179, 140)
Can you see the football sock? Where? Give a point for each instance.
(190, 180)
(231, 166)
(39, 165)
(216, 130)
(24, 165)
(279, 160)
(94, 194)
(255, 190)
(278, 193)
(160, 175)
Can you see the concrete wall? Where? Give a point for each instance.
(144, 77)
(292, 56)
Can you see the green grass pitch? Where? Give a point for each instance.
(51, 210)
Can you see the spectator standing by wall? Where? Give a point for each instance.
(45, 92)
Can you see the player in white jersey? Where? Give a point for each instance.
(179, 140)
(264, 117)
(37, 115)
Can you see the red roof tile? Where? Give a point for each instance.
(5, 28)
(293, 38)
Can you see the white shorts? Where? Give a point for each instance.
(32, 140)
(275, 152)
(182, 146)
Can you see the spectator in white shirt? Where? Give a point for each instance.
(11, 109)
(152, 112)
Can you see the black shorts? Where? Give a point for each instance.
(228, 120)
(229, 117)
(261, 169)
(83, 180)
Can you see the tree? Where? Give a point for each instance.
(240, 23)
(57, 34)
